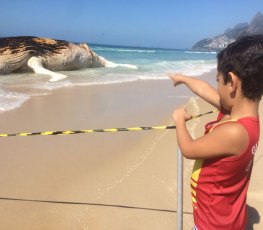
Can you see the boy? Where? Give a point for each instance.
(224, 155)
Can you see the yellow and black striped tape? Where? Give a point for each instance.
(68, 132)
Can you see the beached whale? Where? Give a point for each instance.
(44, 56)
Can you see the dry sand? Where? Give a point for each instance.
(136, 169)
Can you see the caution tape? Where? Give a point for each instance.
(69, 132)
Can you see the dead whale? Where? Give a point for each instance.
(44, 56)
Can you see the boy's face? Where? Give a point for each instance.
(223, 91)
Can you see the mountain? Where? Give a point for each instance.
(230, 35)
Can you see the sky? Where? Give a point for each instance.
(147, 23)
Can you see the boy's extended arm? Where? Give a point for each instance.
(199, 87)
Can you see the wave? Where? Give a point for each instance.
(138, 51)
(123, 50)
(11, 100)
(200, 52)
(113, 65)
(196, 67)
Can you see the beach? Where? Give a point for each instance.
(127, 180)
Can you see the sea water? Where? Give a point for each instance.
(150, 63)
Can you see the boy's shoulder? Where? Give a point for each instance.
(231, 136)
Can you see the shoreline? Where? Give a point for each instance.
(122, 168)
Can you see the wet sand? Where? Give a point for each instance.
(132, 169)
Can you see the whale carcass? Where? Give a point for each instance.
(45, 55)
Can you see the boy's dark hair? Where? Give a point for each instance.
(244, 58)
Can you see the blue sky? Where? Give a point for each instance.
(155, 23)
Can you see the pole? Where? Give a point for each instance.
(179, 190)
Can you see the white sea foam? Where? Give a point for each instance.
(11, 100)
(187, 67)
(138, 51)
(200, 52)
(123, 50)
(113, 65)
(50, 86)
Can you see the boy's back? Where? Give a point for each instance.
(225, 153)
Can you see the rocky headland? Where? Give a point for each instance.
(230, 35)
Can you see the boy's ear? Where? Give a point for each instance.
(232, 81)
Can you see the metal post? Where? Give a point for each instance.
(179, 190)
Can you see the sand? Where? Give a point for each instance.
(132, 169)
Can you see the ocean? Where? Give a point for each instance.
(150, 63)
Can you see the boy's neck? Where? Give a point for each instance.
(244, 108)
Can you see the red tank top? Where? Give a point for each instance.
(219, 186)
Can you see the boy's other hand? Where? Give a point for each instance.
(180, 114)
